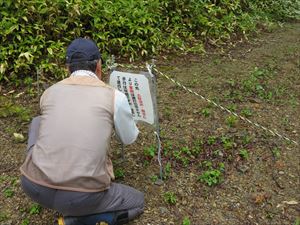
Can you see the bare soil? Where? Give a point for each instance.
(259, 79)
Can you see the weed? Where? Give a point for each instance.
(255, 84)
(167, 171)
(186, 150)
(276, 153)
(211, 177)
(221, 166)
(227, 142)
(259, 72)
(196, 150)
(246, 112)
(177, 155)
(26, 221)
(197, 147)
(231, 82)
(3, 178)
(249, 85)
(146, 163)
(198, 142)
(14, 181)
(293, 101)
(167, 147)
(119, 173)
(192, 83)
(3, 216)
(231, 121)
(207, 164)
(269, 215)
(244, 154)
(13, 110)
(173, 93)
(154, 178)
(246, 139)
(8, 192)
(167, 112)
(232, 107)
(185, 161)
(28, 81)
(149, 152)
(218, 153)
(206, 112)
(211, 140)
(35, 209)
(186, 221)
(170, 197)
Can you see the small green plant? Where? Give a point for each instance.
(231, 121)
(259, 72)
(154, 178)
(207, 164)
(211, 177)
(177, 155)
(231, 82)
(35, 209)
(232, 107)
(197, 147)
(244, 154)
(276, 153)
(221, 166)
(167, 147)
(170, 197)
(8, 192)
(9, 109)
(173, 93)
(3, 216)
(227, 142)
(149, 152)
(246, 139)
(167, 171)
(119, 173)
(246, 112)
(186, 150)
(206, 112)
(26, 221)
(3, 178)
(167, 112)
(185, 161)
(186, 221)
(211, 140)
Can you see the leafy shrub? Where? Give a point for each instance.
(170, 197)
(35, 33)
(211, 177)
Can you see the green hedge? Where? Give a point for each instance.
(35, 33)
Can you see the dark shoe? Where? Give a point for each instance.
(121, 217)
(96, 219)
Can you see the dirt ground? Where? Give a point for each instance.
(256, 174)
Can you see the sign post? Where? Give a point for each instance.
(140, 90)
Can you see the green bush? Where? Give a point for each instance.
(35, 33)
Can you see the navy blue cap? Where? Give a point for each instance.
(82, 49)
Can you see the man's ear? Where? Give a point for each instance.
(68, 68)
(99, 69)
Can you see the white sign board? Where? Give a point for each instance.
(137, 89)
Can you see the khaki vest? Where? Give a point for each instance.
(71, 152)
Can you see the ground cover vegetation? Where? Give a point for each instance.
(34, 33)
